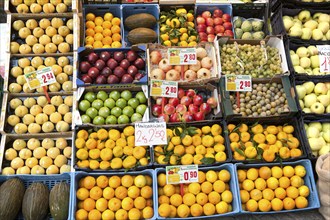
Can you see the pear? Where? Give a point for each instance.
(295, 31)
(324, 99)
(317, 34)
(301, 91)
(305, 62)
(320, 89)
(310, 99)
(304, 15)
(323, 26)
(311, 24)
(302, 52)
(306, 34)
(295, 59)
(324, 17)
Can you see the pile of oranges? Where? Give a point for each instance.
(102, 32)
(111, 149)
(115, 197)
(198, 146)
(211, 195)
(258, 142)
(273, 189)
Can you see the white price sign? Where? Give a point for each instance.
(182, 56)
(150, 134)
(324, 57)
(40, 78)
(238, 83)
(162, 88)
(181, 174)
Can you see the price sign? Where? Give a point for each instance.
(182, 56)
(324, 57)
(150, 134)
(181, 174)
(40, 78)
(164, 88)
(239, 83)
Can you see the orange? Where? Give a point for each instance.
(224, 175)
(245, 136)
(295, 152)
(147, 212)
(277, 204)
(243, 128)
(106, 25)
(89, 40)
(219, 186)
(108, 215)
(96, 193)
(268, 194)
(176, 200)
(101, 204)
(89, 204)
(292, 192)
(277, 172)
(164, 210)
(285, 152)
(81, 214)
(194, 188)
(91, 144)
(248, 185)
(163, 199)
(227, 196)
(121, 192)
(169, 190)
(90, 17)
(82, 134)
(241, 174)
(257, 129)
(115, 21)
(201, 199)
(90, 25)
(189, 199)
(90, 32)
(252, 174)
(250, 152)
(98, 37)
(271, 139)
(280, 193)
(107, 40)
(303, 191)
(234, 137)
(296, 181)
(89, 182)
(284, 182)
(134, 214)
(108, 16)
(108, 193)
(115, 29)
(260, 183)
(114, 204)
(268, 155)
(252, 205)
(127, 203)
(256, 194)
(196, 210)
(245, 196)
(209, 209)
(82, 193)
(121, 214)
(98, 20)
(183, 211)
(97, 44)
(289, 203)
(272, 183)
(301, 202)
(272, 129)
(107, 33)
(214, 197)
(264, 205)
(259, 138)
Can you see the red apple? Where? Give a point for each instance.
(197, 100)
(202, 36)
(119, 71)
(217, 13)
(201, 28)
(210, 30)
(164, 117)
(227, 25)
(156, 110)
(105, 56)
(106, 71)
(204, 107)
(84, 66)
(193, 108)
(229, 33)
(219, 29)
(159, 101)
(181, 93)
(226, 17)
(176, 117)
(112, 79)
(210, 37)
(206, 14)
(212, 102)
(186, 100)
(99, 64)
(92, 57)
(220, 34)
(93, 72)
(217, 21)
(132, 70)
(124, 64)
(199, 116)
(131, 56)
(173, 101)
(126, 78)
(138, 76)
(169, 109)
(191, 93)
(139, 63)
(112, 63)
(118, 56)
(155, 57)
(187, 117)
(86, 78)
(101, 79)
(200, 20)
(209, 22)
(180, 108)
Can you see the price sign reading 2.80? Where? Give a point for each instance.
(182, 56)
(150, 134)
(162, 88)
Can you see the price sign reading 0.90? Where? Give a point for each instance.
(162, 88)
(181, 174)
(150, 134)
(182, 56)
(40, 78)
(238, 83)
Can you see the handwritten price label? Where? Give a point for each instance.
(40, 78)
(324, 57)
(182, 56)
(150, 134)
(164, 88)
(181, 174)
(239, 83)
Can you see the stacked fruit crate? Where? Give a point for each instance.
(36, 121)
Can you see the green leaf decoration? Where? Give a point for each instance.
(240, 151)
(208, 160)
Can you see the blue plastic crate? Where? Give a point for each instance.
(233, 184)
(49, 180)
(78, 175)
(132, 9)
(100, 10)
(141, 49)
(309, 181)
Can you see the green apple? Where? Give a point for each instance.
(102, 95)
(111, 120)
(84, 105)
(126, 94)
(90, 96)
(115, 95)
(98, 104)
(98, 120)
(85, 119)
(133, 102)
(136, 117)
(110, 103)
(317, 34)
(92, 112)
(141, 109)
(128, 110)
(304, 15)
(121, 103)
(123, 119)
(310, 99)
(104, 112)
(116, 111)
(141, 97)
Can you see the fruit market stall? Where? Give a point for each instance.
(164, 110)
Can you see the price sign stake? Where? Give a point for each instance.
(182, 56)
(324, 57)
(162, 88)
(181, 174)
(238, 83)
(150, 134)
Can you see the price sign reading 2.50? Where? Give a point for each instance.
(150, 134)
